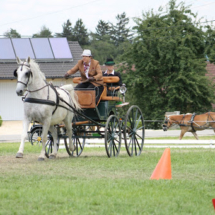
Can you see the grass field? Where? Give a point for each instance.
(95, 184)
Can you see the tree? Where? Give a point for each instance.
(102, 49)
(79, 33)
(12, 33)
(44, 32)
(67, 30)
(168, 54)
(119, 32)
(102, 29)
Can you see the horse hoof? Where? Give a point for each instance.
(52, 156)
(41, 159)
(19, 155)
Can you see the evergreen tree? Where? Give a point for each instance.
(102, 29)
(168, 54)
(67, 31)
(79, 33)
(44, 32)
(12, 33)
(119, 32)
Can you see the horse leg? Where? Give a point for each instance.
(26, 123)
(68, 124)
(46, 126)
(195, 135)
(55, 139)
(182, 134)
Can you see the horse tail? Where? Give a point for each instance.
(73, 96)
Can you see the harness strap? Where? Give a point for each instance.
(57, 98)
(191, 121)
(40, 101)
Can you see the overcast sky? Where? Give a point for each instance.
(27, 17)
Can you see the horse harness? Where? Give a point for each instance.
(192, 122)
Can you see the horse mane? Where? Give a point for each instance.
(36, 68)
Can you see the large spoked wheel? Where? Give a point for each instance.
(50, 145)
(134, 131)
(36, 136)
(112, 136)
(78, 140)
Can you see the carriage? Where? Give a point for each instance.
(111, 123)
(102, 120)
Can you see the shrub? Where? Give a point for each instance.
(1, 121)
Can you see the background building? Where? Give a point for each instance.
(55, 57)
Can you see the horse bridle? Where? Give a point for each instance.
(30, 73)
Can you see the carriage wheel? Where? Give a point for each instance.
(50, 145)
(78, 140)
(134, 131)
(112, 136)
(35, 138)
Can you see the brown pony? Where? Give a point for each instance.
(190, 122)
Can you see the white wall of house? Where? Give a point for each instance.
(11, 105)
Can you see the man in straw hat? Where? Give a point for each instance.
(91, 74)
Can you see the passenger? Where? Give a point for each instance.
(110, 72)
(91, 74)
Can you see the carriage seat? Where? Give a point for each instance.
(87, 98)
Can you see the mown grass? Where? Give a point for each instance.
(95, 184)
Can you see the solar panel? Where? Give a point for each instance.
(42, 48)
(23, 48)
(6, 49)
(60, 48)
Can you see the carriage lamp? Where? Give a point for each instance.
(123, 90)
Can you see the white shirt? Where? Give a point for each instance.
(87, 70)
(109, 73)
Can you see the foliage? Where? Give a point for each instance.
(67, 30)
(95, 184)
(12, 33)
(119, 32)
(1, 121)
(168, 54)
(79, 33)
(44, 32)
(102, 29)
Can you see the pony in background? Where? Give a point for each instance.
(190, 122)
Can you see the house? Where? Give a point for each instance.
(55, 57)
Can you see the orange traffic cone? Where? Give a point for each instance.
(163, 168)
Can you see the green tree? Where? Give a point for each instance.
(44, 32)
(79, 33)
(120, 32)
(67, 30)
(102, 49)
(102, 29)
(12, 33)
(168, 54)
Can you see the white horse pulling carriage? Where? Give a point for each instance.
(51, 105)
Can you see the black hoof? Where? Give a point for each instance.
(52, 157)
(41, 159)
(19, 155)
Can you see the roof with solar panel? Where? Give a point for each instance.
(54, 55)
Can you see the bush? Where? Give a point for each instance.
(1, 121)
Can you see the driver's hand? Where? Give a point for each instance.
(66, 75)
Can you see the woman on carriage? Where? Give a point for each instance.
(91, 74)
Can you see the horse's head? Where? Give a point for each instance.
(24, 75)
(167, 123)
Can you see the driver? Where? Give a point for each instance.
(91, 74)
